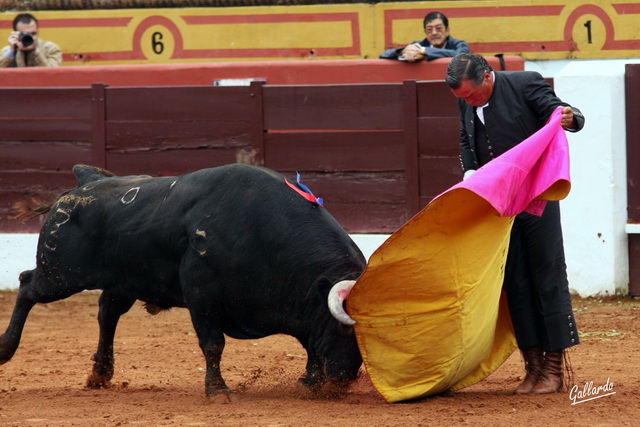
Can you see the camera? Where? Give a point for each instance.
(26, 39)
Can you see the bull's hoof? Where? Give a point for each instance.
(312, 383)
(328, 389)
(97, 381)
(223, 397)
(334, 389)
(101, 373)
(5, 353)
(302, 391)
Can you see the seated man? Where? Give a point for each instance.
(26, 49)
(438, 44)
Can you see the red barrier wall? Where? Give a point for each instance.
(377, 152)
(275, 72)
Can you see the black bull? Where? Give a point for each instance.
(246, 255)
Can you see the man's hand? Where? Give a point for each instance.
(567, 117)
(13, 39)
(412, 52)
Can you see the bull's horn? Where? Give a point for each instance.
(338, 293)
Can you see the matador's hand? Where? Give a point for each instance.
(567, 117)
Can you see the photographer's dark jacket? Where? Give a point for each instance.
(47, 54)
(451, 48)
(521, 104)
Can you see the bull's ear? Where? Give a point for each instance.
(86, 174)
(323, 287)
(318, 291)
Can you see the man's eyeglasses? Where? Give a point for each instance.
(437, 28)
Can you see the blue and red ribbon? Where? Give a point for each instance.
(305, 192)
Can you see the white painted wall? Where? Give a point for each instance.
(18, 253)
(594, 214)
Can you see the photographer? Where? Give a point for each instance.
(26, 49)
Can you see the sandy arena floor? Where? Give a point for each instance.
(159, 377)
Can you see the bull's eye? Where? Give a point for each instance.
(345, 330)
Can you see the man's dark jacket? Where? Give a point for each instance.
(521, 104)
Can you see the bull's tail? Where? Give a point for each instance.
(31, 208)
(36, 206)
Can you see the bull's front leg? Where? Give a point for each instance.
(314, 374)
(10, 340)
(28, 296)
(112, 307)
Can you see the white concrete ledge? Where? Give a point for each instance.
(18, 253)
(632, 228)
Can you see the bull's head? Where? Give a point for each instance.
(337, 295)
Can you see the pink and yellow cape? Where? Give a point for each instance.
(430, 311)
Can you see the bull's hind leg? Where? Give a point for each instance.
(199, 290)
(212, 342)
(111, 308)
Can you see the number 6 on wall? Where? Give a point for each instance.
(158, 46)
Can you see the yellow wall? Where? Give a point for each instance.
(536, 29)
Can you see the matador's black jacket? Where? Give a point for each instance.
(535, 274)
(521, 104)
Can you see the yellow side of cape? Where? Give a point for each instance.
(424, 324)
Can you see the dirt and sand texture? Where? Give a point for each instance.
(159, 377)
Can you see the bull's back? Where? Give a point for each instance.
(252, 210)
(244, 223)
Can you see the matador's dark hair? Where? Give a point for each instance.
(466, 66)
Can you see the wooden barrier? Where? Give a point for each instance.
(632, 88)
(376, 148)
(376, 152)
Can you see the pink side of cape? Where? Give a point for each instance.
(512, 182)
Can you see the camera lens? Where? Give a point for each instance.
(26, 39)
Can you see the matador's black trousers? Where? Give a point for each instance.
(536, 282)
